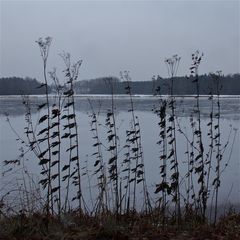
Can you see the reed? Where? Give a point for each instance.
(112, 137)
(101, 205)
(172, 66)
(135, 151)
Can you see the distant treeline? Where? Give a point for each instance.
(20, 86)
(181, 86)
(230, 85)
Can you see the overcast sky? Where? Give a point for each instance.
(111, 36)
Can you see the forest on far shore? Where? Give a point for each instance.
(230, 85)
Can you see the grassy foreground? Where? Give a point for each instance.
(73, 227)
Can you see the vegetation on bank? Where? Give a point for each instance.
(182, 86)
(20, 86)
(123, 206)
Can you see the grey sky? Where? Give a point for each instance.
(111, 36)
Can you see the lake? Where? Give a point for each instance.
(229, 193)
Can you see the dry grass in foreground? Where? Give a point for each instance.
(73, 227)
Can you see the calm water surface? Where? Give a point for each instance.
(230, 122)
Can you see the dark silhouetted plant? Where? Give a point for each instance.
(172, 66)
(135, 152)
